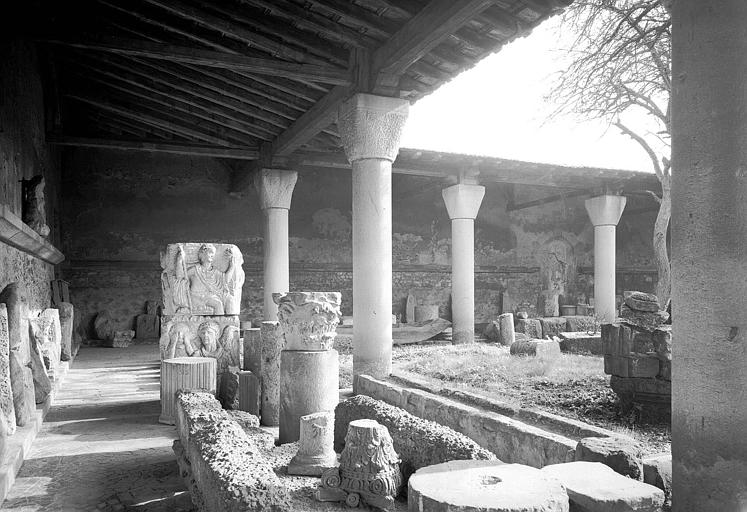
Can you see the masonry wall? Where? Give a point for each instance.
(121, 208)
(24, 154)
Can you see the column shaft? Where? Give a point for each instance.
(463, 280)
(709, 256)
(276, 258)
(604, 273)
(372, 267)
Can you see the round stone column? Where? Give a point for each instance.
(709, 256)
(275, 189)
(462, 202)
(370, 127)
(605, 212)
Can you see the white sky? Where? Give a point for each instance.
(498, 109)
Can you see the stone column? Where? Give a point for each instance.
(462, 202)
(709, 256)
(275, 189)
(371, 127)
(184, 373)
(605, 212)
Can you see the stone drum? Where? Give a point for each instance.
(184, 373)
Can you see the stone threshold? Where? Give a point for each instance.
(18, 446)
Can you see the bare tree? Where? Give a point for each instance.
(620, 66)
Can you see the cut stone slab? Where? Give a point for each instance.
(657, 471)
(487, 486)
(147, 326)
(581, 342)
(67, 318)
(594, 487)
(228, 393)
(249, 392)
(42, 383)
(22, 384)
(622, 454)
(252, 357)
(643, 319)
(529, 326)
(580, 323)
(6, 392)
(640, 301)
(552, 326)
(547, 349)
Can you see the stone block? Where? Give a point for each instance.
(552, 326)
(657, 471)
(151, 307)
(147, 326)
(249, 392)
(315, 448)
(41, 379)
(581, 342)
(246, 421)
(619, 453)
(18, 326)
(617, 365)
(7, 409)
(271, 344)
(47, 338)
(22, 385)
(493, 331)
(506, 329)
(642, 319)
(640, 301)
(309, 319)
(121, 339)
(309, 383)
(642, 342)
(418, 442)
(103, 326)
(581, 323)
(202, 336)
(252, 358)
(617, 339)
(547, 303)
(487, 486)
(643, 366)
(202, 279)
(662, 338)
(665, 370)
(594, 487)
(426, 312)
(529, 326)
(545, 349)
(228, 393)
(67, 319)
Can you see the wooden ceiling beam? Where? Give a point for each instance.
(155, 146)
(212, 59)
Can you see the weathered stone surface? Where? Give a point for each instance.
(18, 327)
(202, 279)
(252, 358)
(522, 315)
(45, 333)
(426, 312)
(147, 326)
(184, 373)
(581, 323)
(103, 326)
(7, 410)
(67, 318)
(657, 471)
(547, 303)
(309, 383)
(506, 329)
(250, 393)
(121, 339)
(22, 385)
(662, 340)
(620, 453)
(529, 326)
(487, 486)
(33, 211)
(151, 307)
(369, 468)
(42, 383)
(271, 344)
(546, 349)
(640, 301)
(245, 420)
(643, 319)
(493, 331)
(594, 487)
(552, 326)
(308, 319)
(228, 393)
(418, 442)
(228, 470)
(315, 447)
(202, 336)
(643, 366)
(581, 343)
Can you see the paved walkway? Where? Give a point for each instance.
(101, 447)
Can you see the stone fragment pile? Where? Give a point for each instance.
(638, 356)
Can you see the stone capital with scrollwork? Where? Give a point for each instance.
(309, 319)
(371, 126)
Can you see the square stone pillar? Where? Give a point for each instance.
(462, 202)
(371, 127)
(605, 212)
(275, 188)
(709, 256)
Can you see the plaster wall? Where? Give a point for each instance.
(23, 154)
(121, 208)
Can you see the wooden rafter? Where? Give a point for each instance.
(241, 153)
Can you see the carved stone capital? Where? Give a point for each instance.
(371, 126)
(308, 319)
(463, 201)
(275, 187)
(605, 210)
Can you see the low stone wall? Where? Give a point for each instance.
(511, 440)
(419, 443)
(223, 467)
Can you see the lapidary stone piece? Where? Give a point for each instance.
(67, 317)
(487, 486)
(308, 319)
(22, 384)
(202, 336)
(103, 326)
(544, 349)
(620, 453)
(42, 383)
(552, 326)
(147, 326)
(369, 469)
(45, 333)
(657, 471)
(271, 344)
(640, 301)
(184, 373)
(315, 448)
(6, 392)
(18, 314)
(33, 210)
(121, 339)
(202, 279)
(529, 326)
(643, 319)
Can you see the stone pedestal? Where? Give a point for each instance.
(506, 329)
(250, 393)
(605, 212)
(184, 373)
(309, 383)
(316, 445)
(271, 344)
(275, 188)
(462, 203)
(370, 128)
